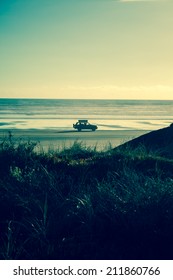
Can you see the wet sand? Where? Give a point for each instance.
(102, 139)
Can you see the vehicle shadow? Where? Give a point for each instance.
(73, 131)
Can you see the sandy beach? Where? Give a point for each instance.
(58, 139)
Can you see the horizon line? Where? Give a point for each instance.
(36, 98)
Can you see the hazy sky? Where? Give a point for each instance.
(86, 49)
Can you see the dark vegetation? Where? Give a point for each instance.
(160, 141)
(79, 203)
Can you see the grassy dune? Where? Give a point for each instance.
(78, 203)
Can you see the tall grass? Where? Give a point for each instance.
(78, 203)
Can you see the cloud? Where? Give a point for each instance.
(157, 91)
(159, 87)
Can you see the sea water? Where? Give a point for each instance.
(60, 114)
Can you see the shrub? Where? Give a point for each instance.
(79, 203)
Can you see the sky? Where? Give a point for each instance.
(102, 49)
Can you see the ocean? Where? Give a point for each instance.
(60, 114)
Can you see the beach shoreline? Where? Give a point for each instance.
(64, 138)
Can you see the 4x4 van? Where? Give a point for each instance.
(84, 124)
